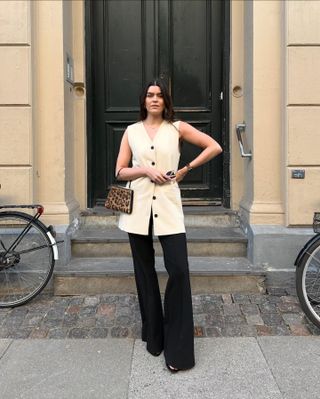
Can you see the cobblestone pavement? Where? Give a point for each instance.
(275, 313)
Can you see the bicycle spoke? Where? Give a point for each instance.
(29, 266)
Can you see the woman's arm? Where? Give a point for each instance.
(210, 147)
(123, 172)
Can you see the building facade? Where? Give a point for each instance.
(266, 55)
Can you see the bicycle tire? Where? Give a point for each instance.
(27, 269)
(308, 282)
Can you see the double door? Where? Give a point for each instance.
(129, 42)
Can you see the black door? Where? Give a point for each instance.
(129, 42)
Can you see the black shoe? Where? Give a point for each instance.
(155, 353)
(172, 369)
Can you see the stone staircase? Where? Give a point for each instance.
(101, 258)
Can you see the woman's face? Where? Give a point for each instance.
(154, 102)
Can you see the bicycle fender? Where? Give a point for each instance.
(305, 248)
(54, 246)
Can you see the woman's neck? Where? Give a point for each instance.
(153, 120)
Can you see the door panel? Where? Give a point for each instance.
(133, 41)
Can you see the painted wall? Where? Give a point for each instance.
(16, 138)
(302, 124)
(274, 88)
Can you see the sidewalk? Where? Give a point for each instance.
(255, 346)
(226, 368)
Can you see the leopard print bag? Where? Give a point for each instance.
(120, 199)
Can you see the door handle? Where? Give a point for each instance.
(241, 127)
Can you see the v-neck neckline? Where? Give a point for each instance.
(157, 132)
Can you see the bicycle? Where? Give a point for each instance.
(28, 251)
(308, 275)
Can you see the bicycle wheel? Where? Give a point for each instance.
(27, 267)
(308, 283)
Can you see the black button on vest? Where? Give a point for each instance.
(152, 147)
(154, 197)
(153, 163)
(155, 215)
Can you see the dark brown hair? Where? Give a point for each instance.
(168, 112)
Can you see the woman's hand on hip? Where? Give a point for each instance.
(180, 175)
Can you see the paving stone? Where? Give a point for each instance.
(291, 291)
(197, 300)
(293, 318)
(107, 298)
(39, 333)
(280, 330)
(213, 332)
(19, 333)
(313, 329)
(104, 322)
(79, 333)
(231, 331)
(276, 291)
(123, 321)
(248, 331)
(200, 319)
(235, 320)
(119, 332)
(105, 309)
(32, 320)
(299, 329)
(249, 309)
(4, 332)
(217, 299)
(215, 321)
(91, 301)
(70, 320)
(87, 322)
(58, 333)
(136, 331)
(274, 299)
(73, 309)
(76, 300)
(87, 311)
(98, 332)
(199, 331)
(289, 307)
(2, 318)
(56, 313)
(241, 298)
(264, 330)
(254, 319)
(271, 319)
(268, 308)
(227, 298)
(232, 309)
(258, 299)
(51, 322)
(289, 299)
(213, 308)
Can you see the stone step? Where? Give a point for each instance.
(115, 275)
(202, 241)
(194, 216)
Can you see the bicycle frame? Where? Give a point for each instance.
(48, 230)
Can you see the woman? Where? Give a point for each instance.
(153, 146)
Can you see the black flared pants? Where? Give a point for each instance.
(173, 330)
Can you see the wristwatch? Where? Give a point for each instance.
(189, 167)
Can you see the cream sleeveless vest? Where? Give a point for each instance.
(162, 201)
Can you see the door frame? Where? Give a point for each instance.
(89, 44)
